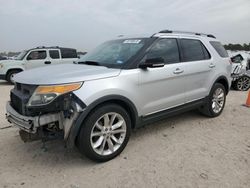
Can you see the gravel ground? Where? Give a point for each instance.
(187, 150)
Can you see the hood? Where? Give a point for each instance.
(65, 73)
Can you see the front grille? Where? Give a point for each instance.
(16, 103)
(20, 96)
(18, 86)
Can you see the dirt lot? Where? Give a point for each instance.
(188, 150)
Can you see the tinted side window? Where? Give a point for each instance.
(36, 55)
(68, 53)
(193, 50)
(219, 48)
(54, 54)
(166, 49)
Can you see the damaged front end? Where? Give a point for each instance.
(39, 116)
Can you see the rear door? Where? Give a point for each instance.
(54, 55)
(68, 55)
(199, 68)
(36, 58)
(164, 87)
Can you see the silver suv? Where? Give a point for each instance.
(121, 85)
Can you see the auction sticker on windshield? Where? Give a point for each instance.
(132, 41)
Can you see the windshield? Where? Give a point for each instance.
(115, 53)
(21, 55)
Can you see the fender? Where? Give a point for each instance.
(125, 102)
(14, 68)
(10, 68)
(10, 65)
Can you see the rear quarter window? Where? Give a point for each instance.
(219, 48)
(68, 53)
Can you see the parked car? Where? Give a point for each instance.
(36, 57)
(122, 85)
(241, 72)
(2, 58)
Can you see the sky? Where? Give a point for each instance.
(83, 24)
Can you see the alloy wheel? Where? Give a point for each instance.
(243, 83)
(218, 100)
(108, 133)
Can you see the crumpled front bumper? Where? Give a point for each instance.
(29, 124)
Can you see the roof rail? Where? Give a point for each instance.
(40, 47)
(53, 47)
(187, 32)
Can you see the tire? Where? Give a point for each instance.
(242, 84)
(10, 75)
(96, 140)
(215, 102)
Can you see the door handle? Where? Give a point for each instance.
(47, 62)
(211, 65)
(178, 71)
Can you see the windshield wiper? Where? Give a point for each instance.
(89, 63)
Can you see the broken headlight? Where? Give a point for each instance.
(45, 94)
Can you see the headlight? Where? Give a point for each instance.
(1, 65)
(46, 94)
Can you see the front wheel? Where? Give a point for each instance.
(10, 76)
(215, 102)
(105, 133)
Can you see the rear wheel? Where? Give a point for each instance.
(242, 84)
(216, 101)
(105, 133)
(11, 75)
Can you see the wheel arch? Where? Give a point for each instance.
(223, 80)
(12, 69)
(121, 101)
(115, 99)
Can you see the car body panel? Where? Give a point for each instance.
(160, 88)
(68, 73)
(8, 65)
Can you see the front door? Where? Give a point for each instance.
(36, 58)
(162, 88)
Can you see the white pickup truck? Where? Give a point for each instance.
(36, 57)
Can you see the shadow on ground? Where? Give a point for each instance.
(4, 83)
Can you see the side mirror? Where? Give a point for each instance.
(28, 58)
(152, 63)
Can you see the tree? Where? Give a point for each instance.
(235, 47)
